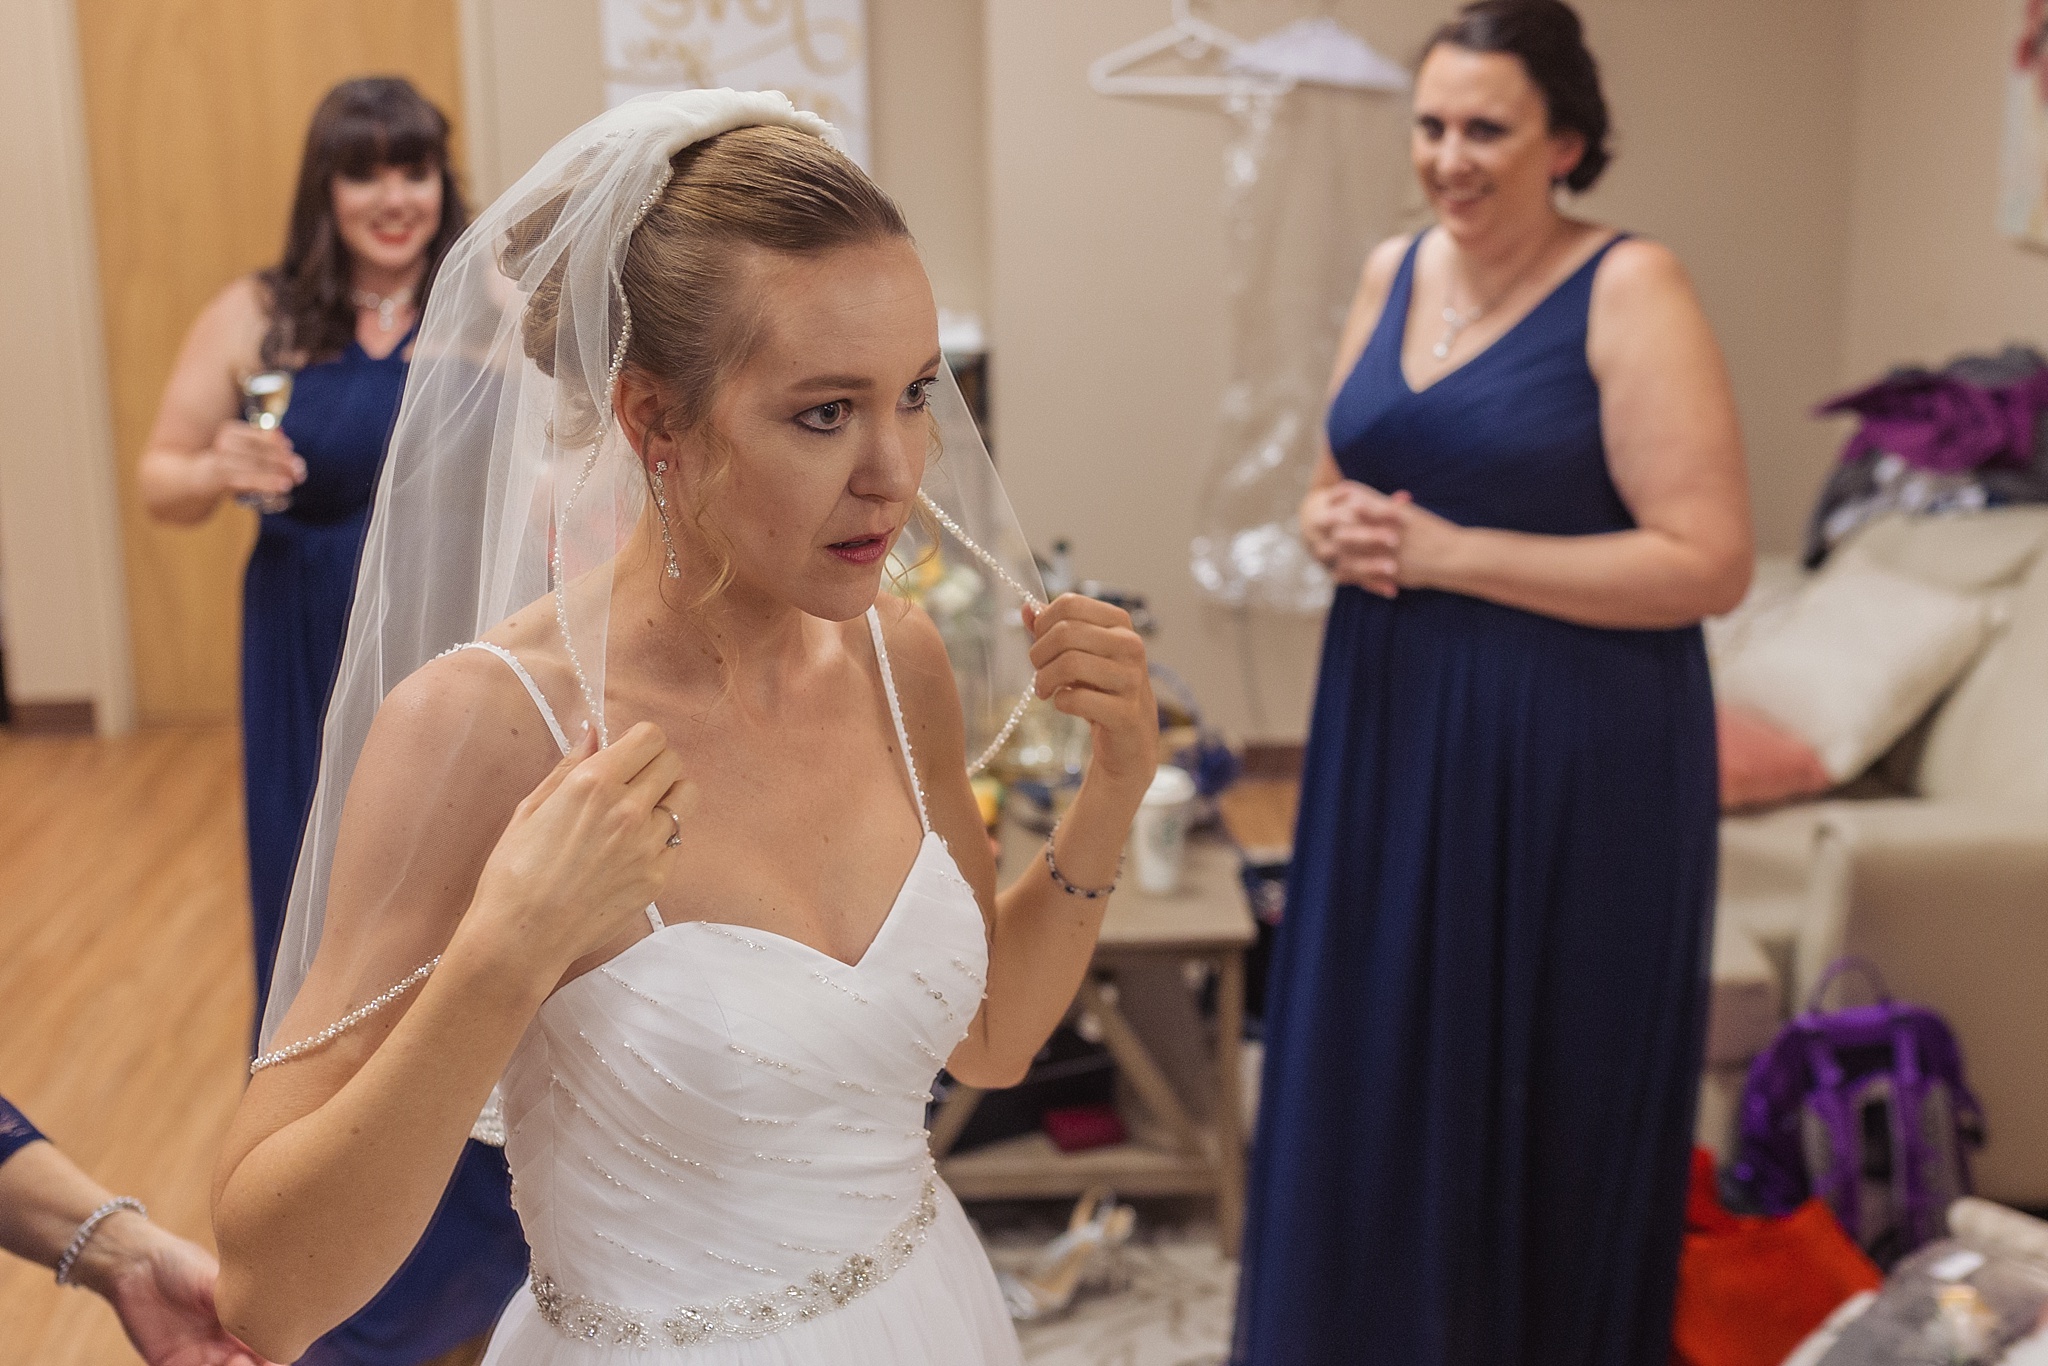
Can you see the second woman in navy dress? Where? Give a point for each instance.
(1485, 1014)
(295, 597)
(376, 208)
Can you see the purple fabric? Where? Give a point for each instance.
(1943, 424)
(1829, 1062)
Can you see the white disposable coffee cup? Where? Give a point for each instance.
(1159, 837)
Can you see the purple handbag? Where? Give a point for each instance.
(1865, 1106)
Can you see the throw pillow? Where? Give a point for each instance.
(1855, 660)
(1763, 764)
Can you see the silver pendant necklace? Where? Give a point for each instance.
(1456, 322)
(387, 305)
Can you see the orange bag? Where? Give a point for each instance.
(1751, 1289)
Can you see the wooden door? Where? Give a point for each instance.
(196, 111)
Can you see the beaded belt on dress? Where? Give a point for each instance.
(743, 1317)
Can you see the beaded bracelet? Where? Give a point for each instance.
(88, 1228)
(1059, 879)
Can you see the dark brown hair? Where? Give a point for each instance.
(1551, 43)
(360, 127)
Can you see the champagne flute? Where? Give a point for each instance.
(265, 396)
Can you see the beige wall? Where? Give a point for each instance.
(60, 554)
(1734, 148)
(531, 71)
(927, 106)
(1826, 169)
(1107, 272)
(1928, 275)
(1109, 348)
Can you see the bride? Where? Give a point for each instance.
(672, 410)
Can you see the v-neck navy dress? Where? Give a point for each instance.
(295, 596)
(295, 601)
(1485, 1016)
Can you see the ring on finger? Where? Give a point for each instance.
(675, 838)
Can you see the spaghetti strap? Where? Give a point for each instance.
(547, 713)
(896, 714)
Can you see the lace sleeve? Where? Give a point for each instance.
(16, 1132)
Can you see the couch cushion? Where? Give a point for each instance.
(1772, 590)
(1989, 742)
(1743, 1009)
(1766, 889)
(1856, 660)
(1769, 853)
(1964, 552)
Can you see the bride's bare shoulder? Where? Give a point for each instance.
(469, 710)
(912, 637)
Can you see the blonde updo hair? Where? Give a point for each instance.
(761, 188)
(764, 187)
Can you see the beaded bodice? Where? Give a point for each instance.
(720, 1114)
(721, 1130)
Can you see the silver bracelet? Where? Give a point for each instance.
(88, 1228)
(1059, 879)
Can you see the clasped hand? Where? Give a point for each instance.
(1376, 541)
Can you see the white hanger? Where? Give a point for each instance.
(1192, 39)
(1318, 51)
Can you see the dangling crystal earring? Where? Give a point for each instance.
(661, 510)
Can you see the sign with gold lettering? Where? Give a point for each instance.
(2023, 193)
(814, 51)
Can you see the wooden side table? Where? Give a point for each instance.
(1205, 921)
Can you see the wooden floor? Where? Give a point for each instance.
(125, 988)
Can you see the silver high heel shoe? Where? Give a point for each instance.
(1099, 1226)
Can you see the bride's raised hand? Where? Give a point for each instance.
(584, 853)
(1092, 664)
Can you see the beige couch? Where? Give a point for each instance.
(1934, 867)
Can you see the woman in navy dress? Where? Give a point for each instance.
(1484, 1024)
(377, 206)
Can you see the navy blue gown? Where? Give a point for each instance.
(295, 597)
(295, 602)
(1485, 1018)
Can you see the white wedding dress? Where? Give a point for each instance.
(718, 1148)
